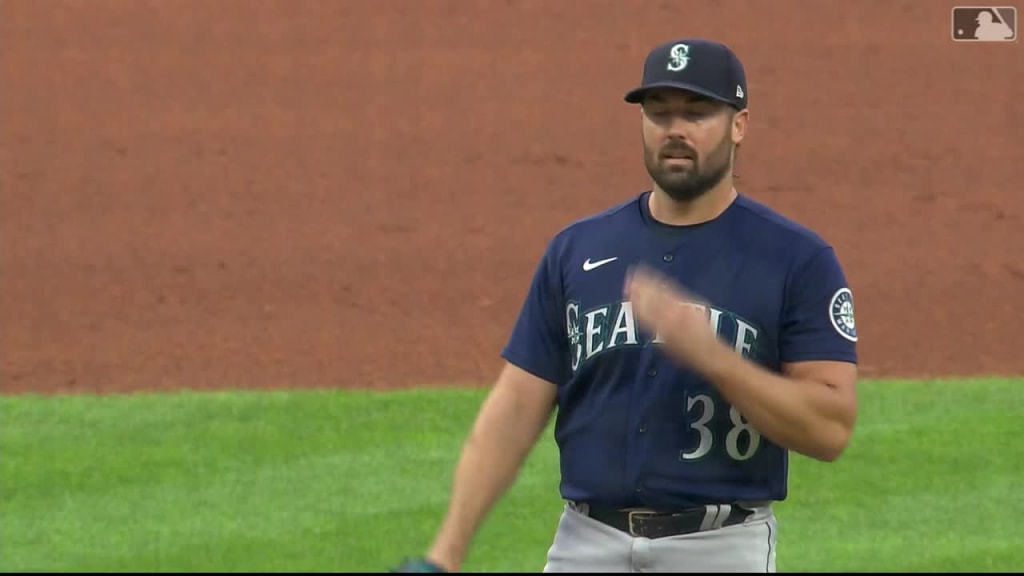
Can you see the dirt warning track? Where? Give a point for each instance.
(354, 193)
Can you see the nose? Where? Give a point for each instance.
(677, 134)
(676, 126)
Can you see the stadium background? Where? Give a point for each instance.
(247, 193)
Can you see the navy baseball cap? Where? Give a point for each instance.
(701, 66)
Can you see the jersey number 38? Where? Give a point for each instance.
(741, 440)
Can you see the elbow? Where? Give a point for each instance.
(832, 445)
(829, 453)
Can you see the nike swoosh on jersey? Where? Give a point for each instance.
(588, 265)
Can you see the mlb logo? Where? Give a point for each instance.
(984, 24)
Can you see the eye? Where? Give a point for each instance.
(691, 113)
(699, 112)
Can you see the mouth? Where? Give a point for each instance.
(676, 156)
(676, 159)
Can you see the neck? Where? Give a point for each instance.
(709, 206)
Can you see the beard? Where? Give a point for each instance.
(685, 183)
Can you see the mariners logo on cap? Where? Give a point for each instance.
(678, 57)
(841, 312)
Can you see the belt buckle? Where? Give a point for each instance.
(634, 515)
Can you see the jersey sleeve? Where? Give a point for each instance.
(538, 342)
(818, 317)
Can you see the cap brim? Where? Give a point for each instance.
(636, 96)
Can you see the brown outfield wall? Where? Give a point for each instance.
(248, 193)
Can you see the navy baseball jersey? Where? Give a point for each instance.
(635, 427)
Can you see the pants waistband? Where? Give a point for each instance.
(647, 523)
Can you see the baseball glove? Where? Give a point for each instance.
(417, 565)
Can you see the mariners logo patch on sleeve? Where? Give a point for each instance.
(841, 313)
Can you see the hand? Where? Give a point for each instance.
(679, 319)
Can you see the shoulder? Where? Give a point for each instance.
(605, 223)
(769, 224)
(782, 239)
(809, 261)
(623, 212)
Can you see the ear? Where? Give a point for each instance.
(739, 125)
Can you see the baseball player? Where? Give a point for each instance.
(689, 337)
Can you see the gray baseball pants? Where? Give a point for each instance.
(582, 544)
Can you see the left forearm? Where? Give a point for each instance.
(809, 409)
(807, 416)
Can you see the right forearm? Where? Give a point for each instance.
(490, 461)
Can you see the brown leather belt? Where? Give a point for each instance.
(660, 524)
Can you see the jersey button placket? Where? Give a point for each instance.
(651, 372)
(668, 257)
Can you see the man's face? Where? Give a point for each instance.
(688, 141)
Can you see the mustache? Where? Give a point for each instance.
(677, 147)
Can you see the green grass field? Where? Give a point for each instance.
(344, 481)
